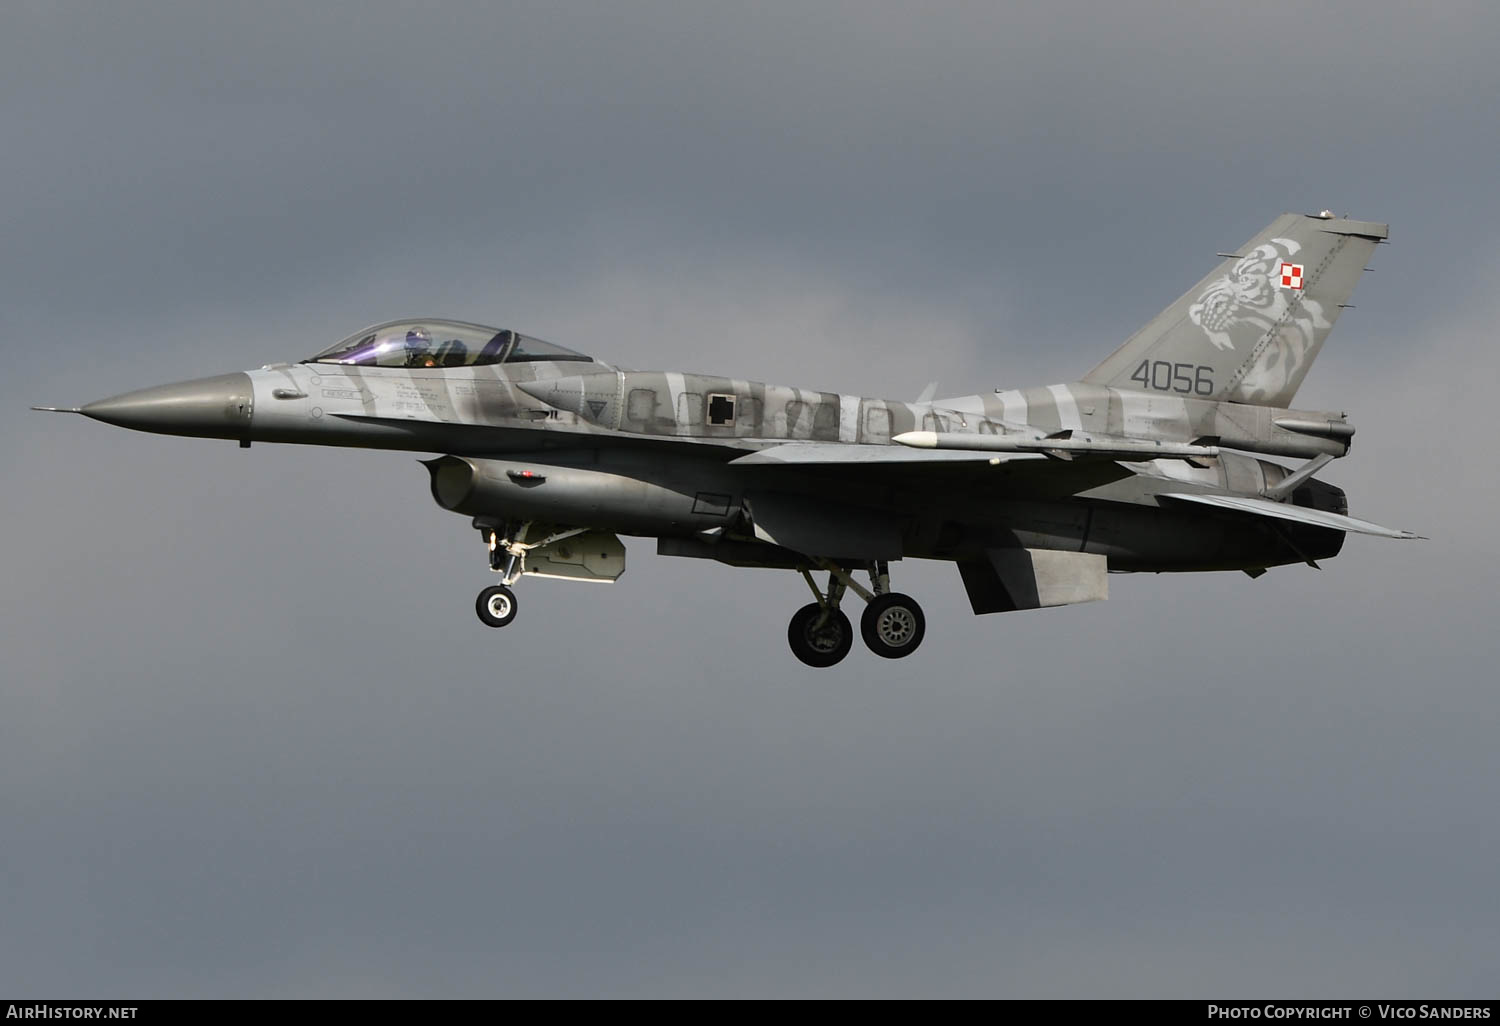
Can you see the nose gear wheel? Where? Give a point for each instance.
(496, 605)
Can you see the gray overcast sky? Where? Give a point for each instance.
(255, 744)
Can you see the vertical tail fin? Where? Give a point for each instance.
(1249, 331)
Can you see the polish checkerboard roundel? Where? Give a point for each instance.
(1291, 276)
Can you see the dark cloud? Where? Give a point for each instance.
(256, 745)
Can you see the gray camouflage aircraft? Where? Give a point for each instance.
(1035, 493)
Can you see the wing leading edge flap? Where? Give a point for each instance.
(1296, 514)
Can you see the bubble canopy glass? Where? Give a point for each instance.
(441, 344)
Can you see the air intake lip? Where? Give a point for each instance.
(452, 480)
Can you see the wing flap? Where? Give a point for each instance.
(1285, 511)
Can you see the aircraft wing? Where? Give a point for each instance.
(1032, 474)
(1285, 511)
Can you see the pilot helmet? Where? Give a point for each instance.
(418, 342)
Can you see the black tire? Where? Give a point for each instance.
(824, 645)
(893, 625)
(496, 606)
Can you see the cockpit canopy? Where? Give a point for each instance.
(441, 344)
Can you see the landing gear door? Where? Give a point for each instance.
(593, 556)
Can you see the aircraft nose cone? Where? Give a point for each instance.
(217, 407)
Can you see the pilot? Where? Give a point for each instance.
(419, 349)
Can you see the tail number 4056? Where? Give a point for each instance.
(1187, 378)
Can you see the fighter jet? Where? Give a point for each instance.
(1150, 462)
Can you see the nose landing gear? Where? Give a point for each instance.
(892, 624)
(496, 604)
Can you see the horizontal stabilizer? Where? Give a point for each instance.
(1296, 514)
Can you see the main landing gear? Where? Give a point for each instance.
(892, 624)
(496, 604)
